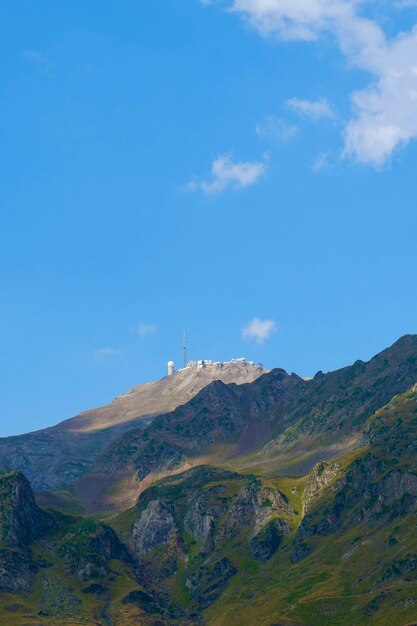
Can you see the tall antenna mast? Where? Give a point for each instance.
(184, 348)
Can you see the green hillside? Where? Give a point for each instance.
(241, 538)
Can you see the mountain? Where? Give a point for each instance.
(222, 421)
(277, 502)
(54, 457)
(336, 405)
(280, 421)
(57, 569)
(336, 546)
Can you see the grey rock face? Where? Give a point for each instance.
(21, 520)
(256, 505)
(155, 528)
(202, 517)
(217, 508)
(320, 477)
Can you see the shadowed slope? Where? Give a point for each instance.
(221, 421)
(54, 457)
(335, 406)
(277, 422)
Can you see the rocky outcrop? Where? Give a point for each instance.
(372, 491)
(161, 610)
(192, 518)
(155, 543)
(21, 520)
(88, 549)
(260, 508)
(255, 506)
(203, 515)
(321, 476)
(155, 528)
(400, 568)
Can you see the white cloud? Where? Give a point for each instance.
(259, 330)
(312, 109)
(145, 330)
(103, 354)
(384, 113)
(229, 174)
(292, 19)
(276, 129)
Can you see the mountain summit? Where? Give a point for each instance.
(53, 457)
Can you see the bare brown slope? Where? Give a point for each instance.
(54, 457)
(161, 396)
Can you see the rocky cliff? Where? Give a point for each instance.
(188, 522)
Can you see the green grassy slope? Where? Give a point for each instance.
(361, 533)
(350, 556)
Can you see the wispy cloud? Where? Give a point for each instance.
(259, 330)
(39, 59)
(405, 4)
(314, 110)
(144, 329)
(103, 354)
(276, 129)
(228, 174)
(321, 162)
(384, 115)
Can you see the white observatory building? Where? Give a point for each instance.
(171, 368)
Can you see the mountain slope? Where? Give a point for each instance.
(279, 422)
(353, 557)
(336, 547)
(64, 570)
(330, 414)
(56, 456)
(220, 422)
(220, 548)
(235, 540)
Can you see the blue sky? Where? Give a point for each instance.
(205, 166)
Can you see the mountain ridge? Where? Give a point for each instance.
(279, 420)
(58, 455)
